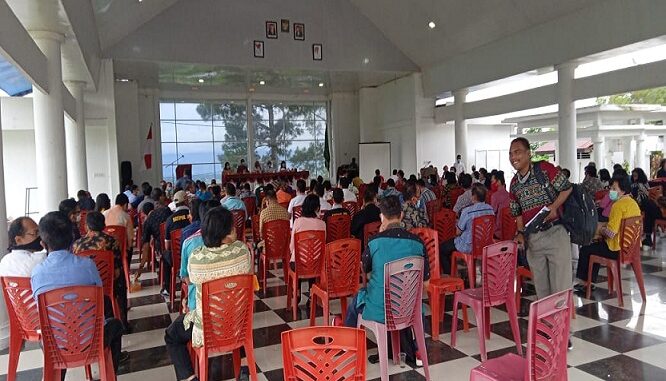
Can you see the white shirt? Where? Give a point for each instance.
(20, 262)
(323, 205)
(460, 167)
(349, 195)
(296, 201)
(394, 177)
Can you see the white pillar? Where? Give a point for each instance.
(599, 151)
(461, 126)
(566, 131)
(250, 135)
(641, 154)
(4, 320)
(75, 136)
(50, 126)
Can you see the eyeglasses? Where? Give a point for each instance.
(33, 234)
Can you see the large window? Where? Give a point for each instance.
(208, 134)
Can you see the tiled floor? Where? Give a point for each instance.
(610, 343)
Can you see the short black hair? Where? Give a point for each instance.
(16, 229)
(327, 185)
(55, 230)
(270, 193)
(147, 207)
(642, 177)
(338, 195)
(369, 194)
(67, 206)
(230, 189)
(122, 199)
(95, 221)
(344, 182)
(216, 225)
(450, 178)
(81, 193)
(146, 189)
(622, 181)
(156, 194)
(300, 185)
(216, 190)
(591, 171)
(377, 180)
(480, 191)
(466, 180)
(567, 173)
(311, 206)
(205, 206)
(194, 209)
(319, 190)
(390, 183)
(102, 202)
(499, 176)
(421, 182)
(395, 171)
(409, 191)
(604, 175)
(617, 166)
(523, 141)
(390, 207)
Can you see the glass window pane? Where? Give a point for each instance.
(168, 131)
(167, 110)
(193, 111)
(168, 173)
(204, 172)
(195, 153)
(229, 111)
(194, 131)
(231, 130)
(169, 153)
(232, 152)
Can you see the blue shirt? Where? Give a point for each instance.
(234, 203)
(392, 192)
(194, 242)
(463, 242)
(189, 230)
(204, 195)
(62, 269)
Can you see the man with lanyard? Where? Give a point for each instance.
(549, 247)
(178, 220)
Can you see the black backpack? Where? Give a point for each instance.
(579, 215)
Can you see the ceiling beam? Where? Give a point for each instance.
(604, 26)
(82, 20)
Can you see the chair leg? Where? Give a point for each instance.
(382, 348)
(618, 277)
(251, 362)
(89, 371)
(262, 273)
(203, 364)
(235, 354)
(471, 270)
(434, 298)
(454, 265)
(172, 289)
(395, 346)
(15, 344)
(343, 306)
(116, 308)
(454, 323)
(513, 320)
(313, 308)
(588, 292)
(486, 321)
(611, 280)
(636, 265)
(465, 319)
(420, 343)
(481, 326)
(519, 290)
(325, 304)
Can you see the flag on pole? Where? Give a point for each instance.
(148, 149)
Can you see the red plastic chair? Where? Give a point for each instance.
(104, 262)
(437, 285)
(352, 207)
(175, 260)
(277, 237)
(509, 227)
(72, 324)
(296, 212)
(403, 288)
(324, 353)
(454, 194)
(547, 338)
(23, 318)
(339, 280)
(227, 307)
(250, 205)
(309, 248)
(255, 229)
(119, 233)
(444, 221)
(631, 230)
(369, 230)
(239, 224)
(432, 207)
(338, 226)
(483, 229)
(499, 275)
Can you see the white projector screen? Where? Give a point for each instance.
(374, 156)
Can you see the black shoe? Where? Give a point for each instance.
(124, 357)
(647, 241)
(164, 293)
(570, 345)
(373, 359)
(582, 289)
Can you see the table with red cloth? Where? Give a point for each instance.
(266, 176)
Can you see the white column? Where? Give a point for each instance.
(641, 154)
(566, 131)
(599, 151)
(4, 320)
(461, 126)
(250, 135)
(50, 126)
(75, 136)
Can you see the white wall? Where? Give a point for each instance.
(345, 130)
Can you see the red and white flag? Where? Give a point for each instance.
(148, 149)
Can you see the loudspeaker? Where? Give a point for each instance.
(125, 174)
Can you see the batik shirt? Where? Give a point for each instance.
(413, 217)
(528, 196)
(102, 241)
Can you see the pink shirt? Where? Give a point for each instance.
(500, 199)
(118, 217)
(304, 224)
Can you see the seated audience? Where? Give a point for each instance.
(273, 211)
(465, 199)
(232, 202)
(25, 247)
(309, 220)
(245, 192)
(71, 209)
(412, 215)
(156, 215)
(337, 208)
(500, 199)
(348, 194)
(391, 191)
(300, 197)
(85, 201)
(202, 193)
(368, 214)
(283, 196)
(147, 196)
(591, 183)
(450, 184)
(177, 220)
(118, 216)
(425, 194)
(323, 204)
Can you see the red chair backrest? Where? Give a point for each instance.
(454, 194)
(351, 206)
(104, 262)
(309, 248)
(296, 212)
(21, 306)
(330, 353)
(547, 337)
(227, 308)
(655, 192)
(72, 324)
(403, 288)
(82, 222)
(432, 207)
(255, 228)
(338, 226)
(276, 235)
(631, 230)
(239, 223)
(175, 249)
(341, 267)
(369, 230)
(444, 222)
(509, 226)
(483, 228)
(119, 233)
(250, 205)
(431, 242)
(162, 236)
(499, 272)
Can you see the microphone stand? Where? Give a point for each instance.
(173, 168)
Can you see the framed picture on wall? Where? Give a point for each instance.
(271, 29)
(284, 25)
(259, 49)
(299, 32)
(316, 52)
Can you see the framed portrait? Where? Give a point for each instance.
(317, 52)
(271, 29)
(284, 25)
(258, 49)
(299, 32)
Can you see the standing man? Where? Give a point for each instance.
(549, 248)
(459, 165)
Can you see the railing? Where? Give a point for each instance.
(28, 192)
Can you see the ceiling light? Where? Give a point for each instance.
(201, 80)
(432, 25)
(321, 84)
(251, 89)
(262, 83)
(366, 61)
